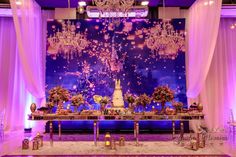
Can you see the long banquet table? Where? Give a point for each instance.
(97, 118)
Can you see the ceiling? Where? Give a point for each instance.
(51, 4)
(152, 3)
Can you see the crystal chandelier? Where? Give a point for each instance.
(113, 8)
(166, 41)
(67, 41)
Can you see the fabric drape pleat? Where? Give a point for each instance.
(203, 24)
(28, 26)
(13, 94)
(219, 91)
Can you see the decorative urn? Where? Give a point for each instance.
(122, 141)
(200, 107)
(25, 144)
(33, 107)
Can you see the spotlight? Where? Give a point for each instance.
(144, 3)
(82, 3)
(18, 2)
(211, 2)
(205, 3)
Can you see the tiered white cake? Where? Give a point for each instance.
(117, 99)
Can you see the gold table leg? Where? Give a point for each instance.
(173, 129)
(51, 133)
(95, 132)
(137, 132)
(97, 129)
(59, 129)
(181, 130)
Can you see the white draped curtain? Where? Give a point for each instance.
(211, 61)
(203, 24)
(28, 26)
(219, 91)
(13, 94)
(21, 63)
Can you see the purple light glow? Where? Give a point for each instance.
(5, 13)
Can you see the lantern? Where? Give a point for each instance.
(113, 144)
(25, 144)
(107, 139)
(194, 144)
(35, 144)
(122, 141)
(40, 139)
(202, 141)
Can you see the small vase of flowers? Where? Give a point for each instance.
(178, 106)
(77, 100)
(163, 94)
(143, 100)
(58, 95)
(103, 101)
(130, 99)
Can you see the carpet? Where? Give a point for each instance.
(130, 149)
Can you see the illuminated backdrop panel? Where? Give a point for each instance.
(109, 51)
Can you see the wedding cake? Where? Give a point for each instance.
(117, 99)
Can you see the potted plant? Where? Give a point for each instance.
(58, 95)
(143, 100)
(178, 106)
(163, 94)
(103, 101)
(77, 100)
(130, 99)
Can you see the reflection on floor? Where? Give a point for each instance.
(150, 144)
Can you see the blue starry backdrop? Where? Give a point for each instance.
(109, 51)
(106, 51)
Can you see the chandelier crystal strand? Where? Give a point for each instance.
(113, 8)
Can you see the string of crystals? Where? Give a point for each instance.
(67, 41)
(113, 8)
(165, 41)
